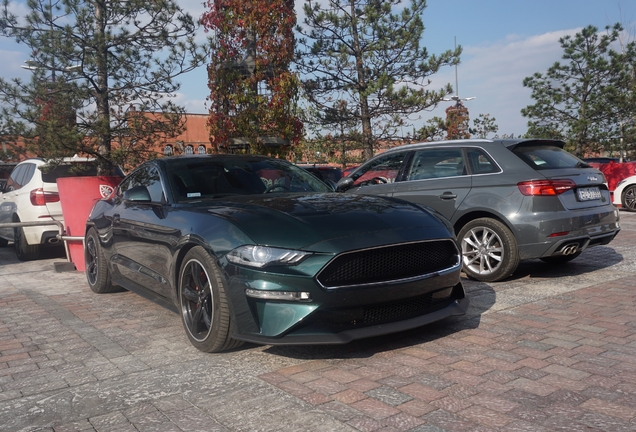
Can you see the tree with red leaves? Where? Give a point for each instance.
(252, 91)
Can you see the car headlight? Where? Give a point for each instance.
(261, 256)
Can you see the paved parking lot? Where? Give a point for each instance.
(550, 349)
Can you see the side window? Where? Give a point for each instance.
(148, 177)
(383, 169)
(437, 163)
(28, 174)
(15, 180)
(480, 162)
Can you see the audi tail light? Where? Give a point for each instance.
(545, 187)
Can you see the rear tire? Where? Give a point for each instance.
(205, 312)
(628, 200)
(489, 250)
(97, 272)
(23, 250)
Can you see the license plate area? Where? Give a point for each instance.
(588, 193)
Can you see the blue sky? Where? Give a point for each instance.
(504, 41)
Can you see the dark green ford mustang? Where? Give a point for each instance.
(249, 248)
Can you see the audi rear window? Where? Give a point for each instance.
(547, 157)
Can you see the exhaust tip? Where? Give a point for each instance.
(570, 249)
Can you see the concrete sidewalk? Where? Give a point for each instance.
(550, 349)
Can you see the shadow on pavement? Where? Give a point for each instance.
(590, 260)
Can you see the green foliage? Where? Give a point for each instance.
(483, 125)
(585, 99)
(253, 94)
(96, 66)
(435, 129)
(368, 53)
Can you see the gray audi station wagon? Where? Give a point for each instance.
(508, 200)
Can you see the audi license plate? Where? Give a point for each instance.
(589, 193)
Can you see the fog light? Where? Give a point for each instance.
(278, 295)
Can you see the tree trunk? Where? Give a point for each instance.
(101, 97)
(365, 118)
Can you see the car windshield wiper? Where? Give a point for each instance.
(582, 165)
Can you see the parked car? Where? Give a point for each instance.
(508, 200)
(326, 173)
(624, 195)
(248, 248)
(30, 195)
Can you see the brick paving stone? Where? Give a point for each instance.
(402, 422)
(447, 421)
(417, 408)
(451, 404)
(349, 396)
(340, 376)
(422, 392)
(608, 408)
(374, 408)
(485, 416)
(566, 372)
(365, 424)
(315, 398)
(388, 395)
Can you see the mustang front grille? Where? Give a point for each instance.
(390, 263)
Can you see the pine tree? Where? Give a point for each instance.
(99, 68)
(368, 53)
(576, 100)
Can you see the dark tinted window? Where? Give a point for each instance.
(17, 175)
(326, 173)
(211, 177)
(384, 168)
(480, 162)
(436, 163)
(546, 157)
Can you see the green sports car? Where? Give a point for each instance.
(250, 248)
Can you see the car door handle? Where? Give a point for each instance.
(447, 196)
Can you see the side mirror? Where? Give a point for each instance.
(344, 184)
(137, 194)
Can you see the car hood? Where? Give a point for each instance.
(327, 221)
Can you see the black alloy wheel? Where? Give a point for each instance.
(97, 273)
(203, 303)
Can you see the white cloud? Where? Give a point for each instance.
(494, 74)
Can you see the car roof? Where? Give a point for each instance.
(509, 143)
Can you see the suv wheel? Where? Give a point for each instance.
(23, 250)
(629, 198)
(489, 250)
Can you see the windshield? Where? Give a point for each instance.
(211, 177)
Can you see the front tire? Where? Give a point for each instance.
(97, 272)
(489, 250)
(23, 250)
(629, 198)
(203, 303)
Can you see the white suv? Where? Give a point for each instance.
(30, 195)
